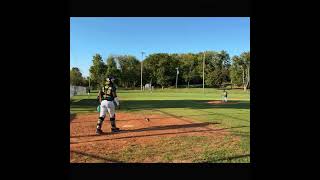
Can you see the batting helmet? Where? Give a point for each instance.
(110, 80)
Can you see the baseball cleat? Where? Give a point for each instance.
(99, 131)
(115, 130)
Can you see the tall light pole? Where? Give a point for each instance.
(204, 56)
(89, 83)
(177, 77)
(141, 68)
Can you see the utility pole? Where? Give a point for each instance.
(89, 86)
(204, 56)
(141, 68)
(177, 77)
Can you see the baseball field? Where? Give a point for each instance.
(185, 126)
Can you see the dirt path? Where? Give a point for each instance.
(221, 102)
(85, 144)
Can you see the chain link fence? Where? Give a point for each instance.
(77, 90)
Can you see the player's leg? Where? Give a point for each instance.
(102, 115)
(112, 113)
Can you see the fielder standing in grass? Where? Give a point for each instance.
(225, 95)
(108, 99)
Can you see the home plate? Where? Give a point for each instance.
(128, 125)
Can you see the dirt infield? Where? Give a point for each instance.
(221, 102)
(86, 146)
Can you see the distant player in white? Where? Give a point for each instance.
(225, 96)
(108, 99)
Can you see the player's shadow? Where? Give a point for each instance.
(155, 128)
(203, 125)
(184, 126)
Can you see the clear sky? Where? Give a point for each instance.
(130, 36)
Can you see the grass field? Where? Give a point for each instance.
(188, 103)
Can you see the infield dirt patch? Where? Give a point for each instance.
(86, 146)
(221, 102)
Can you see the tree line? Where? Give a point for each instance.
(77, 79)
(160, 70)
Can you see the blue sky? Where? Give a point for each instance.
(130, 36)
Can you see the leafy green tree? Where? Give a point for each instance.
(97, 70)
(188, 67)
(112, 68)
(161, 69)
(85, 81)
(76, 78)
(236, 72)
(216, 67)
(240, 70)
(245, 56)
(150, 65)
(130, 71)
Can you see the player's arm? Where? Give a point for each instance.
(116, 100)
(100, 96)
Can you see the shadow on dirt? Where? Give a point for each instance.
(230, 158)
(95, 156)
(135, 119)
(191, 104)
(84, 103)
(157, 128)
(72, 116)
(241, 134)
(95, 121)
(126, 137)
(156, 104)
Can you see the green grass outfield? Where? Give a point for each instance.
(190, 103)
